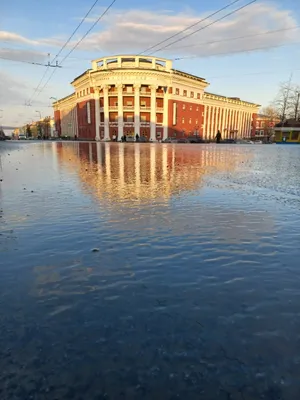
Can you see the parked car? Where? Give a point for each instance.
(182, 140)
(228, 141)
(22, 137)
(170, 140)
(195, 139)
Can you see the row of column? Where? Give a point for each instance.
(137, 121)
(226, 120)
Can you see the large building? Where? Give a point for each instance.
(147, 96)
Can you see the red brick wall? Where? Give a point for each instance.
(188, 118)
(253, 126)
(57, 122)
(86, 130)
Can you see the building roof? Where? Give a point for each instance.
(288, 123)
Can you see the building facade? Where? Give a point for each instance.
(264, 127)
(144, 95)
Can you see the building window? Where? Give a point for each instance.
(191, 108)
(84, 92)
(116, 103)
(129, 89)
(198, 96)
(87, 90)
(143, 103)
(129, 103)
(182, 120)
(190, 120)
(192, 94)
(143, 89)
(197, 108)
(129, 118)
(143, 118)
(185, 93)
(80, 93)
(183, 106)
(196, 122)
(177, 92)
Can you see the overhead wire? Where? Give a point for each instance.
(62, 48)
(234, 52)
(91, 28)
(207, 26)
(79, 41)
(236, 38)
(189, 27)
(75, 30)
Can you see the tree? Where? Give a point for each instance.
(282, 102)
(28, 131)
(295, 102)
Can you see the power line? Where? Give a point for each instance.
(62, 48)
(79, 41)
(189, 27)
(206, 26)
(91, 28)
(26, 62)
(76, 29)
(237, 51)
(237, 38)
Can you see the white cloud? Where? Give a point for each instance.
(11, 89)
(23, 55)
(134, 31)
(12, 37)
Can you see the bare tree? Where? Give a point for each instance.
(271, 117)
(283, 100)
(295, 102)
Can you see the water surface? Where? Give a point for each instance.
(191, 292)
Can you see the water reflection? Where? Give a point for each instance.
(143, 173)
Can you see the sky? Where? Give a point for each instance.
(246, 54)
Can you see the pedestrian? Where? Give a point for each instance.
(137, 138)
(125, 137)
(114, 137)
(218, 136)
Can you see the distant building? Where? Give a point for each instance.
(287, 132)
(264, 126)
(144, 95)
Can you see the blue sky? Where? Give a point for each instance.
(31, 29)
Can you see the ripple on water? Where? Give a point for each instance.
(194, 290)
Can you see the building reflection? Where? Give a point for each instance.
(144, 173)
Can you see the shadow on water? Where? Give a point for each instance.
(192, 290)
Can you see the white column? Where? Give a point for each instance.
(166, 114)
(97, 114)
(223, 121)
(247, 124)
(208, 123)
(219, 120)
(204, 121)
(250, 124)
(238, 124)
(242, 124)
(106, 113)
(153, 114)
(137, 120)
(230, 123)
(212, 130)
(120, 112)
